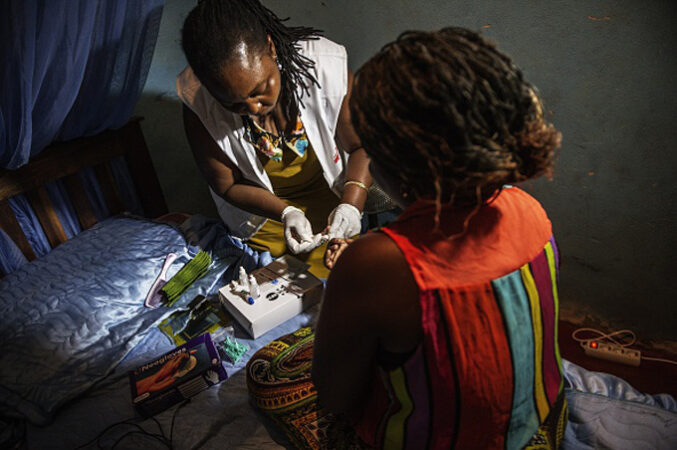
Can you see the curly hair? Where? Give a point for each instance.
(214, 28)
(451, 117)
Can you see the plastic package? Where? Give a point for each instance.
(221, 334)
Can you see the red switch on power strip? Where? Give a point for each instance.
(613, 352)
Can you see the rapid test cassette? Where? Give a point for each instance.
(268, 296)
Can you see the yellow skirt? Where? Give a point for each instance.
(299, 181)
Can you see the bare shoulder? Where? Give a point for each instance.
(370, 304)
(373, 253)
(372, 280)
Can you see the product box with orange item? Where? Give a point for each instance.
(176, 376)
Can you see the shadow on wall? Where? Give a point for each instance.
(185, 188)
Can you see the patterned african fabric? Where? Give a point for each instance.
(488, 372)
(279, 382)
(272, 145)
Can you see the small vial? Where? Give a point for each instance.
(254, 289)
(243, 281)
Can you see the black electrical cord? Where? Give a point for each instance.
(160, 437)
(162, 440)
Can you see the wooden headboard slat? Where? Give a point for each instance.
(63, 161)
(43, 208)
(58, 161)
(109, 188)
(11, 227)
(140, 166)
(77, 194)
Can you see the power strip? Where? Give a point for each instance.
(613, 352)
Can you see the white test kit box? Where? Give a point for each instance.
(286, 289)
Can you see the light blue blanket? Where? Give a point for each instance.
(606, 412)
(68, 318)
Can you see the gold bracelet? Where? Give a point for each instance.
(356, 183)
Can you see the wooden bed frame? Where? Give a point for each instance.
(63, 161)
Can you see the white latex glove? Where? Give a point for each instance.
(345, 221)
(298, 232)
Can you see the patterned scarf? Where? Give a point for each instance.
(272, 145)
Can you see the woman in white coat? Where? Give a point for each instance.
(266, 115)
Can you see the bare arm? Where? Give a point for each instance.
(371, 301)
(358, 161)
(223, 176)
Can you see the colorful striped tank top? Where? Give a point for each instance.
(488, 371)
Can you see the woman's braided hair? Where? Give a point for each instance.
(451, 117)
(214, 28)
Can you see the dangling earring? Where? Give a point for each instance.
(279, 64)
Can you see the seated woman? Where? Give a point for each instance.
(440, 330)
(266, 115)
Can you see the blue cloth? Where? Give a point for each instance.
(11, 257)
(70, 317)
(71, 69)
(607, 412)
